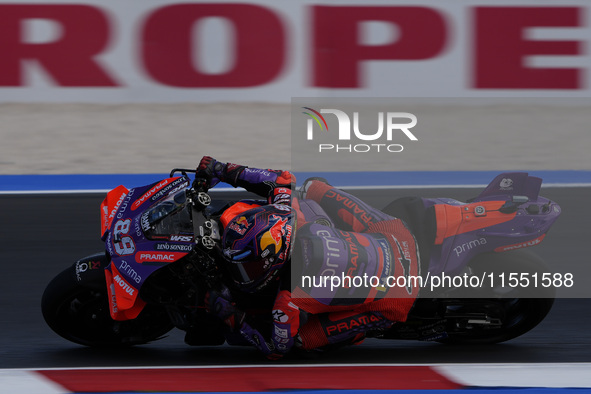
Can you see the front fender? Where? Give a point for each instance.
(90, 270)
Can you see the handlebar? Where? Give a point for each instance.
(206, 230)
(207, 236)
(182, 171)
(199, 184)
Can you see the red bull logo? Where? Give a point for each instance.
(242, 221)
(275, 234)
(239, 225)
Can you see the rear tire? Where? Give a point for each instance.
(521, 312)
(79, 312)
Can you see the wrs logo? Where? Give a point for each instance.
(396, 124)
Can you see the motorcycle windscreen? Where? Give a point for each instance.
(124, 303)
(170, 216)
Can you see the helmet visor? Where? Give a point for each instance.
(247, 268)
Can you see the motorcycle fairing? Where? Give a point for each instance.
(135, 256)
(512, 184)
(481, 226)
(109, 207)
(124, 303)
(459, 219)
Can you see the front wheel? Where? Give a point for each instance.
(77, 309)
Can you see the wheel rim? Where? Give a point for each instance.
(84, 318)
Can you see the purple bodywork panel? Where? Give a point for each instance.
(534, 215)
(134, 255)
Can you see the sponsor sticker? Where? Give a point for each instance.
(158, 257)
(506, 184)
(520, 245)
(146, 196)
(83, 266)
(281, 332)
(173, 247)
(279, 316)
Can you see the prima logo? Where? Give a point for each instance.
(469, 245)
(350, 131)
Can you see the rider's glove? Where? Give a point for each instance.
(254, 337)
(218, 304)
(209, 170)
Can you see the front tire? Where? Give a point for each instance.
(78, 310)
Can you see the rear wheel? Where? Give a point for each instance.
(79, 312)
(512, 312)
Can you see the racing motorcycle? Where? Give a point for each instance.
(162, 244)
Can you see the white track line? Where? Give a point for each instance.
(574, 365)
(23, 381)
(554, 375)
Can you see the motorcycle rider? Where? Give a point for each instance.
(336, 233)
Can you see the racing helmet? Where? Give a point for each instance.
(256, 244)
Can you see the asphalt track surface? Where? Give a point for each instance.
(40, 235)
